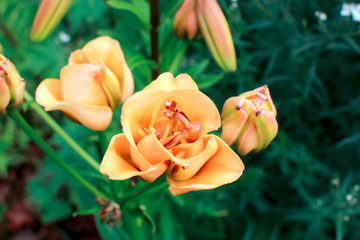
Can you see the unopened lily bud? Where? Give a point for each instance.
(4, 95)
(249, 121)
(1, 49)
(216, 32)
(185, 22)
(48, 16)
(12, 86)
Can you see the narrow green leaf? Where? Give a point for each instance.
(130, 8)
(178, 57)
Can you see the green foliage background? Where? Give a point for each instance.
(305, 185)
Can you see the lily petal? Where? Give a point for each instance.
(117, 163)
(108, 51)
(167, 82)
(190, 166)
(152, 150)
(85, 78)
(128, 84)
(223, 168)
(48, 92)
(137, 111)
(94, 117)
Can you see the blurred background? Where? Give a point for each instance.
(305, 185)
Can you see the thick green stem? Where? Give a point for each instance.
(20, 121)
(132, 225)
(154, 35)
(59, 130)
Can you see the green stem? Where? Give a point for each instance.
(132, 226)
(103, 142)
(20, 121)
(59, 130)
(145, 191)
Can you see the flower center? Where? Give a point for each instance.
(179, 127)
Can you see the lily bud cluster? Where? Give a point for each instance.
(196, 18)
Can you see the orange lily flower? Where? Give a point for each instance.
(165, 130)
(95, 82)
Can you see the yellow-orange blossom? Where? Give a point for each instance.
(94, 83)
(165, 130)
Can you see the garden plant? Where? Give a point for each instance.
(179, 119)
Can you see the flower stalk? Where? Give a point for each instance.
(154, 35)
(21, 122)
(59, 130)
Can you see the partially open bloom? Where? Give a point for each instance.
(249, 120)
(165, 130)
(48, 16)
(12, 86)
(205, 17)
(94, 83)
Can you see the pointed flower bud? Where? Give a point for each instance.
(216, 32)
(48, 16)
(249, 121)
(12, 86)
(185, 21)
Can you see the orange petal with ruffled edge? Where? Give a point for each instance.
(80, 84)
(152, 150)
(48, 92)
(108, 51)
(136, 113)
(167, 82)
(118, 163)
(223, 168)
(188, 167)
(187, 150)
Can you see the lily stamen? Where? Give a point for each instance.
(175, 139)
